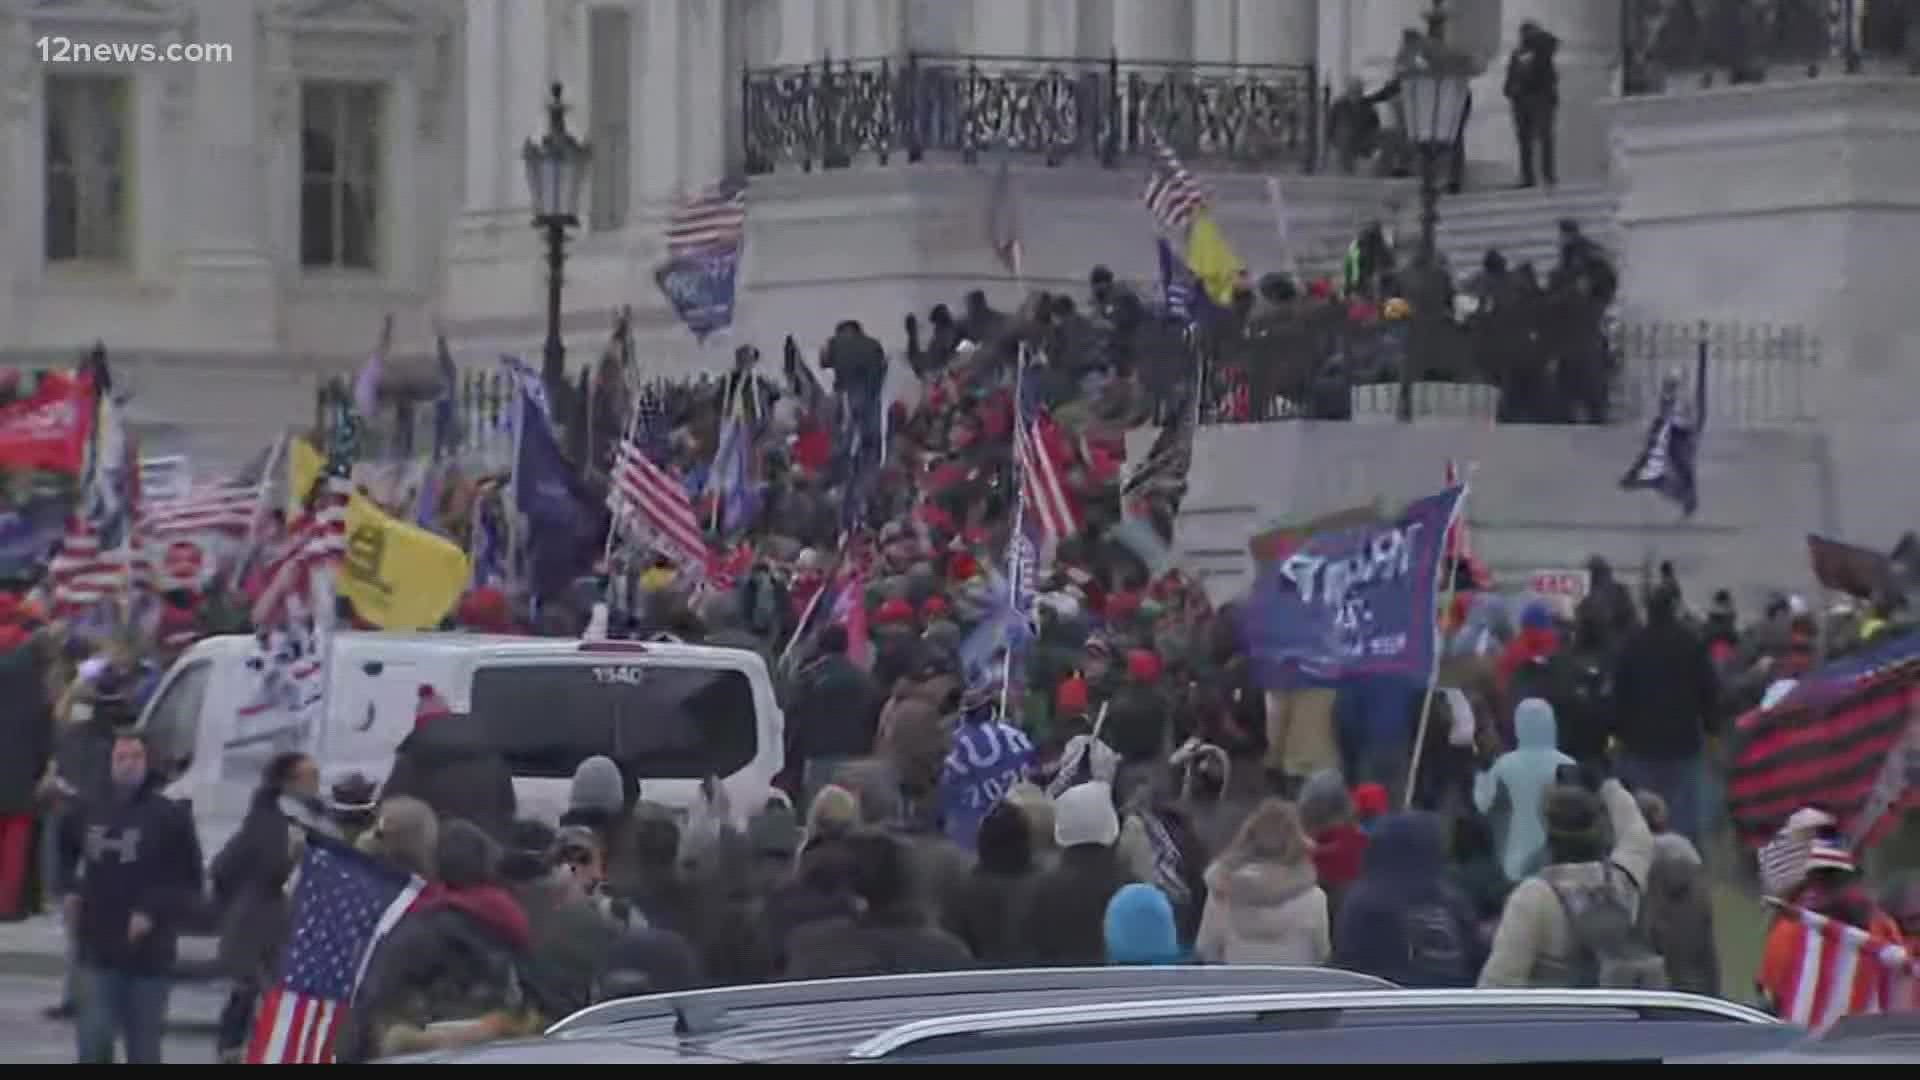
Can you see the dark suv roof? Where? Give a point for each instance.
(825, 1019)
(1169, 1015)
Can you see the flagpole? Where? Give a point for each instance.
(1451, 567)
(275, 459)
(1019, 521)
(613, 526)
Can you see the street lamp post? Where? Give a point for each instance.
(1434, 91)
(556, 171)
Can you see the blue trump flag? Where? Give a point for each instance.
(1666, 461)
(1349, 602)
(567, 524)
(986, 761)
(700, 286)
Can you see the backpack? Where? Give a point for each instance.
(1610, 945)
(1437, 952)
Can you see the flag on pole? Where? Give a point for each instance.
(651, 506)
(1823, 969)
(1666, 461)
(314, 546)
(714, 217)
(1212, 261)
(366, 386)
(1043, 456)
(344, 904)
(1003, 219)
(1172, 194)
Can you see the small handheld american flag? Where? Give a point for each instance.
(344, 904)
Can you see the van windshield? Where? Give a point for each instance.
(658, 722)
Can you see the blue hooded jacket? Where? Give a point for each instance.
(1523, 774)
(1140, 929)
(1403, 892)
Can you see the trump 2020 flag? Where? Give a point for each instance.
(1666, 461)
(1352, 601)
(345, 903)
(985, 762)
(700, 286)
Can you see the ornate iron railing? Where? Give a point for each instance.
(1673, 44)
(1757, 376)
(830, 114)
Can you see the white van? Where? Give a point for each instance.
(671, 714)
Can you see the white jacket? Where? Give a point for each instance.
(1264, 913)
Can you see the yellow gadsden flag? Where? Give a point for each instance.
(398, 575)
(303, 468)
(1211, 260)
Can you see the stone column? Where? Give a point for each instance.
(1377, 29)
(877, 29)
(834, 19)
(228, 271)
(799, 32)
(1589, 33)
(1003, 27)
(701, 108)
(524, 96)
(659, 97)
(1153, 30)
(484, 148)
(1215, 27)
(1278, 31)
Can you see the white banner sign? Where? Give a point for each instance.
(163, 479)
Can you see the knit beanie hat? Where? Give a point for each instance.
(597, 786)
(1084, 814)
(431, 706)
(1573, 815)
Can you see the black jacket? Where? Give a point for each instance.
(124, 854)
(249, 888)
(26, 727)
(442, 764)
(881, 942)
(1136, 723)
(834, 710)
(1531, 76)
(1063, 922)
(1665, 693)
(982, 911)
(858, 363)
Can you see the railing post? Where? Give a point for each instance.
(833, 155)
(889, 132)
(1850, 33)
(1110, 154)
(969, 148)
(910, 95)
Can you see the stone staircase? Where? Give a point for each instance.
(1522, 223)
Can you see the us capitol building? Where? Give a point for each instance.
(232, 230)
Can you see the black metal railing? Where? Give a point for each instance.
(830, 114)
(1678, 44)
(1758, 376)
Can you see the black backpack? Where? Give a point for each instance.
(1611, 947)
(1437, 950)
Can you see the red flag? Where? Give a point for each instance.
(48, 430)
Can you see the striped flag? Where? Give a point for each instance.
(344, 904)
(83, 575)
(653, 504)
(1839, 970)
(315, 544)
(1043, 457)
(713, 218)
(225, 508)
(1173, 196)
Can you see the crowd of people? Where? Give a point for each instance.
(1171, 810)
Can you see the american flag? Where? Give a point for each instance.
(345, 903)
(315, 544)
(1840, 970)
(654, 503)
(1459, 541)
(713, 218)
(1173, 196)
(83, 576)
(1043, 455)
(225, 508)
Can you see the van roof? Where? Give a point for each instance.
(362, 641)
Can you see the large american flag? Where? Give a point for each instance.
(652, 504)
(344, 904)
(1173, 196)
(1043, 456)
(713, 218)
(226, 508)
(1840, 970)
(315, 544)
(83, 575)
